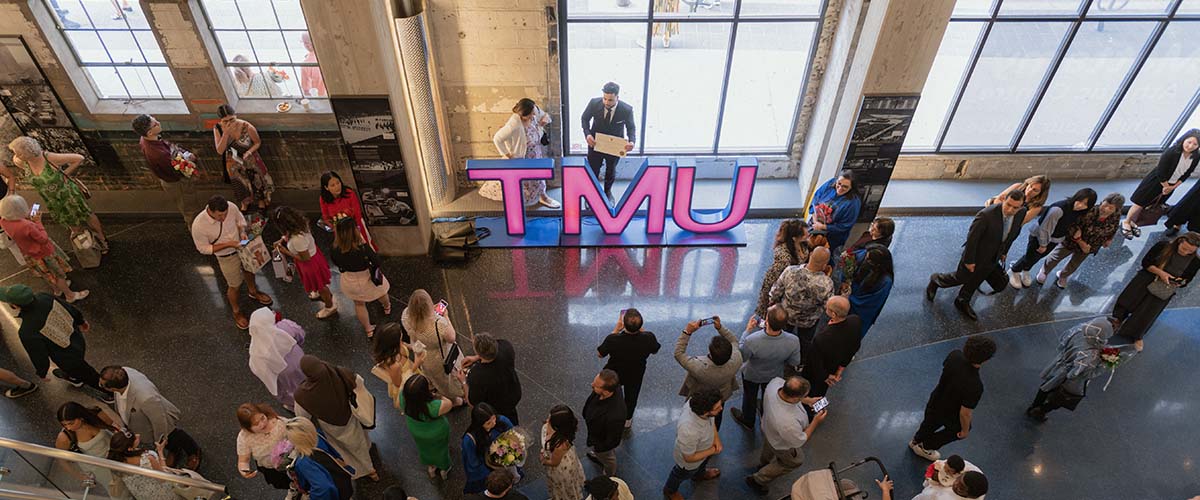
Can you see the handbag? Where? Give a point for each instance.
(450, 360)
(545, 138)
(1151, 213)
(83, 189)
(363, 404)
(283, 269)
(84, 245)
(1161, 290)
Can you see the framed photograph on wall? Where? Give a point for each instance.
(369, 131)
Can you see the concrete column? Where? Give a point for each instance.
(881, 47)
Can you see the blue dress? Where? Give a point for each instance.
(868, 303)
(845, 212)
(474, 464)
(313, 478)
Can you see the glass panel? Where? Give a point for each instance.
(971, 8)
(288, 80)
(1160, 93)
(780, 8)
(1128, 7)
(87, 45)
(312, 82)
(69, 13)
(269, 47)
(257, 16)
(764, 85)
(106, 14)
(1004, 82)
(235, 46)
(121, 47)
(1192, 122)
(685, 90)
(107, 82)
(677, 9)
(166, 82)
(297, 46)
(222, 14)
(617, 45)
(1039, 7)
(291, 17)
(1100, 57)
(257, 82)
(953, 57)
(140, 82)
(608, 8)
(149, 46)
(1189, 7)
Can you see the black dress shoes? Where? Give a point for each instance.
(964, 307)
(931, 289)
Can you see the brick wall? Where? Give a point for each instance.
(1013, 166)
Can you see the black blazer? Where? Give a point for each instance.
(621, 124)
(1169, 159)
(985, 243)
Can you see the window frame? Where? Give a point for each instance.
(1077, 19)
(648, 20)
(61, 31)
(226, 65)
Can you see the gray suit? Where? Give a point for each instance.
(149, 413)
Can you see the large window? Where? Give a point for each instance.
(703, 76)
(266, 48)
(111, 40)
(1061, 76)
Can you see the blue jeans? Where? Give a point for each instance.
(679, 474)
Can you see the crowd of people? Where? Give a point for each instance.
(819, 299)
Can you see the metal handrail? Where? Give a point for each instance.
(121, 467)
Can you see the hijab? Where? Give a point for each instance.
(327, 390)
(268, 346)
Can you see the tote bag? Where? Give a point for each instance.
(363, 404)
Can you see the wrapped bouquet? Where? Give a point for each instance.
(281, 455)
(1111, 357)
(184, 166)
(277, 75)
(508, 449)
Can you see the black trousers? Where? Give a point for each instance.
(806, 339)
(80, 371)
(938, 429)
(750, 392)
(1042, 402)
(595, 160)
(631, 384)
(993, 274)
(1032, 255)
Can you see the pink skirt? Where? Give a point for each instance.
(314, 273)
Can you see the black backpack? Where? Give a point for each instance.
(341, 477)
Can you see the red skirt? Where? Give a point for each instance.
(314, 273)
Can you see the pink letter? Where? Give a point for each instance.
(510, 173)
(650, 183)
(734, 212)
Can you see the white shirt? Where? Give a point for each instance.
(1184, 162)
(301, 243)
(122, 399)
(783, 423)
(207, 231)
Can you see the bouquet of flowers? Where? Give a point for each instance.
(508, 449)
(183, 165)
(1111, 357)
(277, 75)
(822, 213)
(281, 455)
(255, 226)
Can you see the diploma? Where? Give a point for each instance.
(610, 144)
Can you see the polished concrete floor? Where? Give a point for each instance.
(158, 306)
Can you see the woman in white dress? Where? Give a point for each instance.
(564, 472)
(521, 137)
(89, 431)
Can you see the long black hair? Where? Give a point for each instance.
(848, 175)
(326, 196)
(479, 416)
(565, 425)
(876, 265)
(417, 395)
(1190, 133)
(290, 221)
(1086, 194)
(75, 411)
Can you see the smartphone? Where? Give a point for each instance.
(623, 312)
(34, 211)
(762, 323)
(244, 242)
(820, 405)
(441, 307)
(707, 321)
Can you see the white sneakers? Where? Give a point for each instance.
(1041, 276)
(1061, 280)
(930, 455)
(1026, 280)
(326, 312)
(1014, 280)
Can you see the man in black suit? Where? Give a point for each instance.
(607, 115)
(992, 233)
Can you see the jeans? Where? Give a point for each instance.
(937, 429)
(1032, 255)
(750, 392)
(679, 475)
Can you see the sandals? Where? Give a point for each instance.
(241, 322)
(262, 298)
(1130, 232)
(371, 331)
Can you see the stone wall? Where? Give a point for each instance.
(1014, 166)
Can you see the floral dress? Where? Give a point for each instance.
(63, 198)
(566, 479)
(531, 191)
(251, 182)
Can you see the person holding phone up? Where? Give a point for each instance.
(786, 428)
(42, 256)
(628, 347)
(718, 370)
(436, 336)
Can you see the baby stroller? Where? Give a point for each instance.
(828, 483)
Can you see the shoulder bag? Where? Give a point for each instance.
(1150, 215)
(450, 359)
(83, 189)
(1161, 290)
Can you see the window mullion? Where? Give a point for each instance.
(1147, 49)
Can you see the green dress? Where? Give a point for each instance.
(62, 197)
(432, 436)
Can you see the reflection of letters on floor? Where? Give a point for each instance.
(610, 144)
